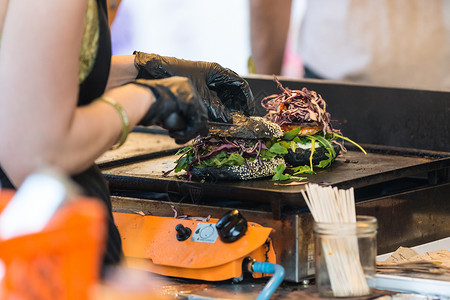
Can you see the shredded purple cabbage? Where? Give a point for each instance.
(207, 147)
(297, 107)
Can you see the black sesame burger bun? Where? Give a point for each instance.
(301, 157)
(253, 170)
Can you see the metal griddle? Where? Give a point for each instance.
(144, 173)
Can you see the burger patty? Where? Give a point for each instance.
(304, 130)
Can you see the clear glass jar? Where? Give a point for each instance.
(345, 257)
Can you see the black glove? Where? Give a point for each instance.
(177, 107)
(221, 89)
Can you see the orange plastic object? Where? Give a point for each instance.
(61, 262)
(150, 243)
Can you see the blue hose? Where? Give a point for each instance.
(274, 282)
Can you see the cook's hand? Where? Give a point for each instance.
(221, 89)
(177, 107)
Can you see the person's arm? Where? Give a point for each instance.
(122, 71)
(40, 123)
(269, 25)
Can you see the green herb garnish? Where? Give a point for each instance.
(280, 176)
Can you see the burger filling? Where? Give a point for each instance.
(303, 116)
(220, 152)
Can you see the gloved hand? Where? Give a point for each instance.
(177, 107)
(221, 89)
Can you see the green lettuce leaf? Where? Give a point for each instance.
(302, 170)
(290, 135)
(223, 159)
(278, 149)
(280, 176)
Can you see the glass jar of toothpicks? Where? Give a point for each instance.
(345, 244)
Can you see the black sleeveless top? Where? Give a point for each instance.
(95, 60)
(95, 57)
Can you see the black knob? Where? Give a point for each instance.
(183, 233)
(231, 227)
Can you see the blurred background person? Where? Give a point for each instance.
(383, 42)
(196, 30)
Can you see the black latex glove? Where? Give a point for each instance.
(221, 89)
(177, 107)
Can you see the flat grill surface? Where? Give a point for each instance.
(144, 172)
(142, 144)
